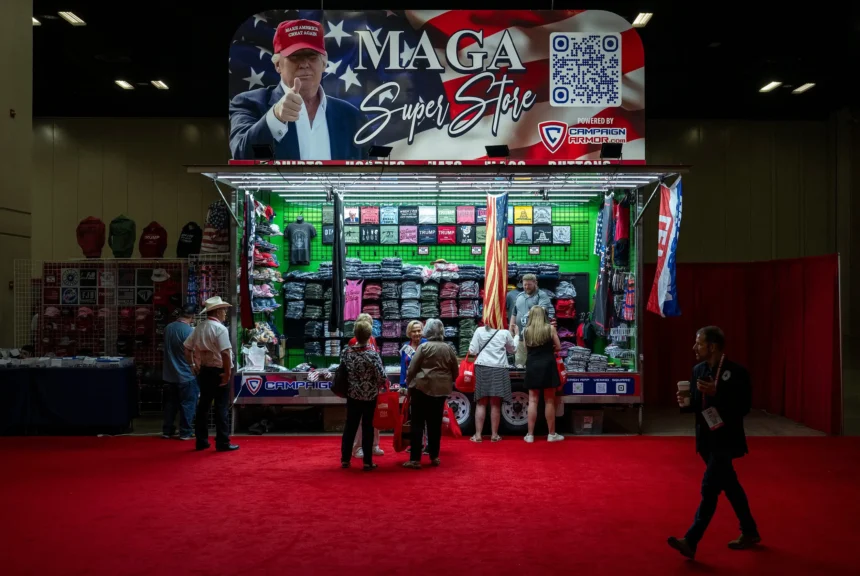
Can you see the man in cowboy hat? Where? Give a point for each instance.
(296, 117)
(209, 352)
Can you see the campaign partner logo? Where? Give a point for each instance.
(552, 134)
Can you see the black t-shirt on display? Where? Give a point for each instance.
(190, 240)
(300, 235)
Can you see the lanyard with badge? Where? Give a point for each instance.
(712, 417)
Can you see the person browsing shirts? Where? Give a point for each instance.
(530, 297)
(296, 117)
(357, 447)
(721, 397)
(490, 348)
(209, 352)
(179, 378)
(542, 344)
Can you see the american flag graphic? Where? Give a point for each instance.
(417, 125)
(496, 262)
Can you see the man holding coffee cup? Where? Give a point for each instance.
(720, 399)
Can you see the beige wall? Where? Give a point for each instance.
(16, 93)
(107, 167)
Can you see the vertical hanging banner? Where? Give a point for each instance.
(664, 293)
(496, 261)
(326, 85)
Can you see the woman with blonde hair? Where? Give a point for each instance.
(413, 332)
(357, 448)
(542, 344)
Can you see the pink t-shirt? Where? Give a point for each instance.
(352, 307)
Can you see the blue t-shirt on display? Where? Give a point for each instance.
(175, 369)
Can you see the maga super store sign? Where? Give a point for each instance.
(552, 85)
(280, 385)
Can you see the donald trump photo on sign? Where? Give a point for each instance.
(296, 117)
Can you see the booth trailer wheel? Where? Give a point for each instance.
(515, 414)
(463, 408)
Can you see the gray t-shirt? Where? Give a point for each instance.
(525, 302)
(300, 235)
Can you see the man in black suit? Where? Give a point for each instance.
(720, 399)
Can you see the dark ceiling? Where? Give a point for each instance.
(701, 62)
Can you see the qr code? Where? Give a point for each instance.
(585, 69)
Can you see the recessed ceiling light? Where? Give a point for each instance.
(803, 88)
(160, 85)
(770, 86)
(642, 19)
(36, 22)
(72, 18)
(124, 85)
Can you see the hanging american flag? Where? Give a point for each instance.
(521, 79)
(496, 262)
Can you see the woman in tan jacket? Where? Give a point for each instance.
(430, 378)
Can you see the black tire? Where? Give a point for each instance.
(515, 413)
(463, 406)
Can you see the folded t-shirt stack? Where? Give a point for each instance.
(372, 291)
(565, 308)
(410, 310)
(430, 291)
(410, 290)
(429, 309)
(450, 331)
(471, 272)
(548, 271)
(444, 276)
(391, 329)
(390, 349)
(295, 310)
(376, 329)
(468, 309)
(313, 348)
(325, 271)
(313, 329)
(449, 309)
(565, 348)
(524, 269)
(469, 289)
(370, 270)
(372, 309)
(411, 272)
(513, 270)
(327, 309)
(577, 359)
(391, 309)
(392, 268)
(467, 330)
(332, 347)
(294, 291)
(349, 329)
(391, 290)
(565, 333)
(449, 290)
(565, 290)
(597, 363)
(352, 268)
(314, 291)
(313, 311)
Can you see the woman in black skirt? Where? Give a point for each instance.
(542, 345)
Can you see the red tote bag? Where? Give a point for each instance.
(449, 423)
(562, 373)
(387, 411)
(403, 429)
(466, 379)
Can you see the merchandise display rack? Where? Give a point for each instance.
(573, 192)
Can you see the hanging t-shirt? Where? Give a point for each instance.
(427, 234)
(300, 235)
(351, 234)
(447, 235)
(447, 215)
(465, 234)
(388, 215)
(542, 234)
(426, 214)
(522, 215)
(352, 305)
(351, 215)
(388, 234)
(328, 234)
(481, 215)
(408, 234)
(542, 215)
(328, 215)
(369, 235)
(408, 214)
(480, 234)
(465, 214)
(370, 214)
(523, 235)
(622, 221)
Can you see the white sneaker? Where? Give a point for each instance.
(358, 453)
(529, 438)
(554, 438)
(377, 451)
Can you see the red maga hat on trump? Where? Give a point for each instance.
(294, 35)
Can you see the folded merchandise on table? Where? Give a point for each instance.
(352, 270)
(429, 309)
(565, 333)
(548, 271)
(314, 291)
(313, 329)
(391, 329)
(449, 309)
(597, 363)
(267, 275)
(313, 312)
(262, 291)
(265, 259)
(449, 290)
(313, 349)
(391, 290)
(577, 359)
(565, 348)
(294, 291)
(325, 270)
(513, 270)
(332, 347)
(327, 309)
(372, 291)
(372, 310)
(391, 309)
(302, 276)
(390, 349)
(264, 246)
(451, 331)
(295, 310)
(471, 272)
(430, 291)
(565, 290)
(469, 289)
(392, 264)
(469, 309)
(370, 270)
(565, 308)
(327, 294)
(263, 333)
(445, 276)
(467, 328)
(261, 305)
(410, 309)
(410, 290)
(524, 269)
(412, 272)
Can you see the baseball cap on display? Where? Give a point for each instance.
(141, 313)
(84, 312)
(294, 35)
(52, 312)
(160, 275)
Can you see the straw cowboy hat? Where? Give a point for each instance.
(215, 303)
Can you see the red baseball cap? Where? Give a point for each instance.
(294, 35)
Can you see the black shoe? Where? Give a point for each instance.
(344, 465)
(744, 542)
(369, 467)
(227, 448)
(682, 546)
(203, 446)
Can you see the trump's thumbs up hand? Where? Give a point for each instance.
(288, 107)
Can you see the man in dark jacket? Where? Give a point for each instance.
(721, 397)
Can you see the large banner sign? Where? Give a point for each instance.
(551, 85)
(664, 292)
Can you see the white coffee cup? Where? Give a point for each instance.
(684, 386)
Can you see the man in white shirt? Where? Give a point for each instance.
(210, 354)
(296, 117)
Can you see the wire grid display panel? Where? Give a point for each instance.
(576, 215)
(27, 301)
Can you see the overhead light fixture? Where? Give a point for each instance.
(380, 151)
(803, 88)
(498, 151)
(770, 86)
(160, 85)
(72, 18)
(36, 22)
(124, 85)
(642, 19)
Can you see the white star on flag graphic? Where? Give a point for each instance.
(331, 66)
(254, 79)
(336, 32)
(349, 78)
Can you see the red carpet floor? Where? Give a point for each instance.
(134, 505)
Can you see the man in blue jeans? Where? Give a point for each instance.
(181, 390)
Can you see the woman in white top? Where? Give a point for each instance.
(490, 348)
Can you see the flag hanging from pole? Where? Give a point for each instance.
(496, 261)
(664, 292)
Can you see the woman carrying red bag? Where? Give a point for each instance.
(492, 377)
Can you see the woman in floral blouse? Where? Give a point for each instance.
(366, 375)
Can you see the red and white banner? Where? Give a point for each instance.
(664, 292)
